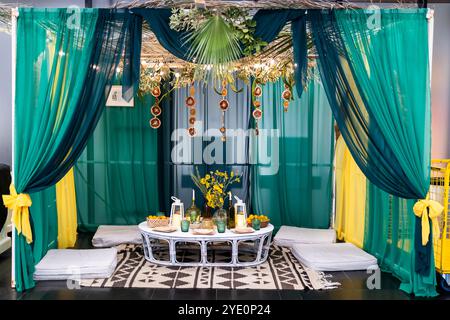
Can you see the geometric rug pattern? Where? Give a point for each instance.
(281, 271)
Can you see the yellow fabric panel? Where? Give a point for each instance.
(350, 196)
(67, 211)
(339, 182)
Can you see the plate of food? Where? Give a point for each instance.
(203, 232)
(243, 230)
(166, 229)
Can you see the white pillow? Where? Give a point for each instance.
(110, 236)
(60, 264)
(334, 257)
(288, 236)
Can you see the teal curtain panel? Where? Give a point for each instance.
(295, 187)
(390, 235)
(377, 83)
(116, 177)
(51, 60)
(64, 72)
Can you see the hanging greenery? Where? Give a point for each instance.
(244, 26)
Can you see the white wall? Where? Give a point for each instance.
(5, 98)
(440, 83)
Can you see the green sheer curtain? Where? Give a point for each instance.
(64, 70)
(116, 177)
(51, 60)
(291, 175)
(376, 74)
(389, 235)
(47, 226)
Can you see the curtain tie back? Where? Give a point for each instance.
(434, 211)
(19, 204)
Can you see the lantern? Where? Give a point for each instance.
(240, 213)
(176, 212)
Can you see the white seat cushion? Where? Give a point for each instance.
(110, 236)
(61, 264)
(333, 257)
(288, 236)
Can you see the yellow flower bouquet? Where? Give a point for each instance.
(214, 185)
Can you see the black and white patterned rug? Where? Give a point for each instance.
(280, 271)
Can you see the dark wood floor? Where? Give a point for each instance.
(353, 287)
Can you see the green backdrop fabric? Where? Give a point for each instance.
(295, 187)
(51, 60)
(116, 177)
(47, 226)
(376, 74)
(390, 235)
(65, 66)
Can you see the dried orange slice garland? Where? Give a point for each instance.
(190, 101)
(155, 110)
(190, 104)
(286, 95)
(223, 105)
(257, 112)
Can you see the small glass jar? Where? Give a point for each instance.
(221, 226)
(185, 225)
(256, 224)
(220, 215)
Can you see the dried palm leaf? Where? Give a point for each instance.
(214, 43)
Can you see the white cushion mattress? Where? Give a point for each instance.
(288, 236)
(333, 257)
(60, 264)
(110, 236)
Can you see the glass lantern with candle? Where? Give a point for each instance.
(176, 212)
(240, 213)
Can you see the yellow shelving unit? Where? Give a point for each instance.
(439, 191)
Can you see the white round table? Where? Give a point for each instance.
(261, 240)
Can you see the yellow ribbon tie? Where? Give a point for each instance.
(19, 204)
(434, 211)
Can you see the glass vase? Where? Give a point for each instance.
(220, 215)
(207, 211)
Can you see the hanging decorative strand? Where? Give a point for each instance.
(223, 105)
(190, 104)
(155, 110)
(257, 112)
(286, 95)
